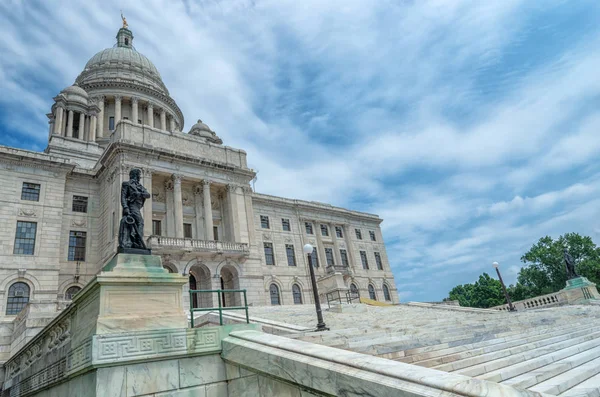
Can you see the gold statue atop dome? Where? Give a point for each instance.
(125, 26)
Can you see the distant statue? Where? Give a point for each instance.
(570, 265)
(124, 21)
(133, 197)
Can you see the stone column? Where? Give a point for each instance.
(200, 232)
(82, 125)
(51, 126)
(232, 209)
(349, 246)
(70, 124)
(100, 131)
(134, 109)
(171, 123)
(148, 204)
(150, 114)
(208, 220)
(58, 120)
(163, 119)
(170, 215)
(88, 120)
(118, 99)
(320, 246)
(178, 205)
(93, 123)
(336, 248)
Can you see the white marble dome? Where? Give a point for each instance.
(203, 131)
(75, 93)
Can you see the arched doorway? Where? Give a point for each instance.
(230, 280)
(200, 280)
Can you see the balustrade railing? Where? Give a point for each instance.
(207, 245)
(534, 303)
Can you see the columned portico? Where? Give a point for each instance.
(58, 120)
(163, 119)
(70, 124)
(208, 220)
(100, 130)
(199, 211)
(148, 204)
(171, 124)
(170, 208)
(92, 130)
(81, 134)
(178, 205)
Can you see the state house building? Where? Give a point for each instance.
(61, 208)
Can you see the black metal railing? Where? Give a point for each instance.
(336, 296)
(221, 306)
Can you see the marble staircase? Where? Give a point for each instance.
(553, 351)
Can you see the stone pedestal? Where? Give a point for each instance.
(131, 293)
(580, 290)
(332, 283)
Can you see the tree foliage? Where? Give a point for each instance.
(544, 272)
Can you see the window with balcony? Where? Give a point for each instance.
(291, 256)
(156, 228)
(329, 257)
(285, 224)
(358, 234)
(309, 227)
(338, 232)
(216, 233)
(264, 222)
(324, 230)
(344, 256)
(269, 257)
(187, 230)
(372, 235)
(77, 246)
(378, 261)
(30, 191)
(80, 204)
(363, 259)
(25, 238)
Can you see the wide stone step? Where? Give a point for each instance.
(561, 375)
(534, 360)
(477, 365)
(569, 379)
(467, 351)
(587, 388)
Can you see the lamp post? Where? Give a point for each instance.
(308, 249)
(510, 305)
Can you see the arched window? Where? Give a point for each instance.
(193, 286)
(71, 292)
(386, 293)
(168, 268)
(354, 290)
(274, 292)
(18, 297)
(297, 294)
(372, 293)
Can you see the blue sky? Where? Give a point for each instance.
(470, 127)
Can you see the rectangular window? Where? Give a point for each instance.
(216, 233)
(358, 234)
(264, 222)
(187, 230)
(77, 246)
(378, 261)
(372, 235)
(111, 123)
(309, 228)
(80, 204)
(363, 259)
(344, 256)
(285, 224)
(156, 228)
(314, 258)
(338, 232)
(30, 191)
(269, 257)
(291, 256)
(324, 230)
(329, 256)
(25, 238)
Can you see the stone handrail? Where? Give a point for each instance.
(205, 245)
(547, 300)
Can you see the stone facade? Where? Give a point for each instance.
(203, 218)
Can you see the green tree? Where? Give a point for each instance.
(485, 292)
